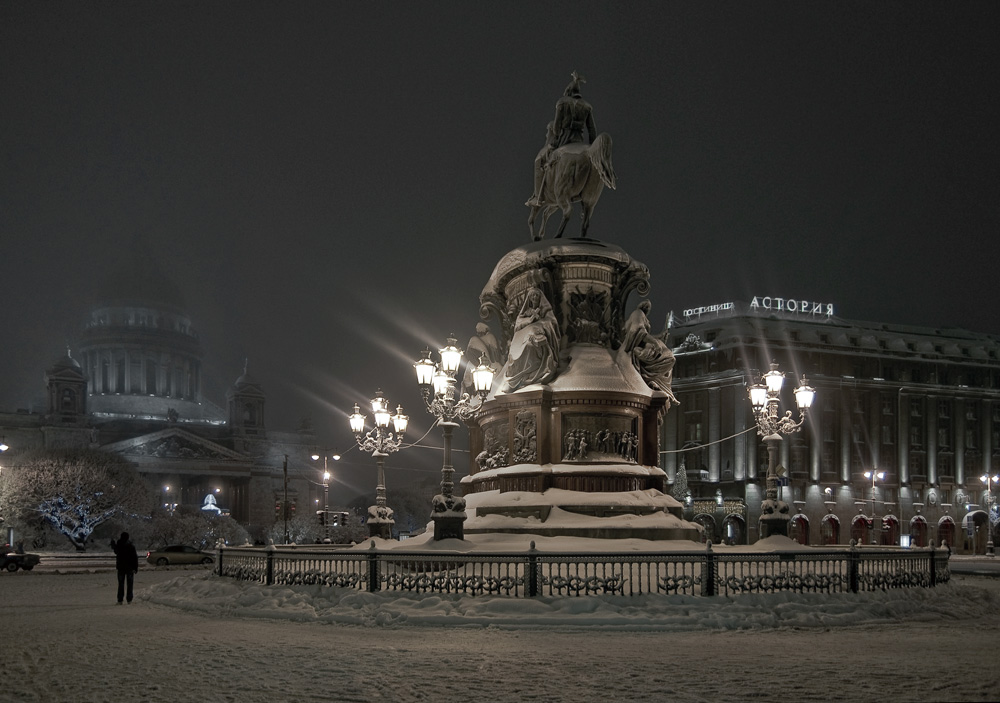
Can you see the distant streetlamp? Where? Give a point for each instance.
(765, 398)
(168, 502)
(326, 494)
(437, 385)
(990, 508)
(874, 475)
(380, 442)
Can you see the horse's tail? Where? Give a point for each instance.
(600, 157)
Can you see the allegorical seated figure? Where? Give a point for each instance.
(534, 347)
(650, 354)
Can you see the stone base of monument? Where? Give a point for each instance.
(648, 515)
(449, 525)
(775, 526)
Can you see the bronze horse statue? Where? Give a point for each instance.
(576, 172)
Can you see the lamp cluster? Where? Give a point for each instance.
(438, 383)
(379, 440)
(764, 397)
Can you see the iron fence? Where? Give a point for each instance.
(532, 573)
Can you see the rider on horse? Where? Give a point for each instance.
(573, 115)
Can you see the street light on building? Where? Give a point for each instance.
(438, 387)
(990, 508)
(880, 476)
(326, 492)
(380, 442)
(765, 399)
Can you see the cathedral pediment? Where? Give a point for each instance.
(174, 443)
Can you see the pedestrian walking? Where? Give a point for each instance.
(127, 563)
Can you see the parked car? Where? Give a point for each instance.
(12, 560)
(178, 554)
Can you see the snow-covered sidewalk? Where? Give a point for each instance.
(193, 636)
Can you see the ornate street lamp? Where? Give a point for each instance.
(990, 510)
(874, 475)
(381, 442)
(438, 387)
(765, 398)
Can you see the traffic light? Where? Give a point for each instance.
(321, 514)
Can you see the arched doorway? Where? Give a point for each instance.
(829, 529)
(890, 531)
(918, 531)
(976, 527)
(708, 527)
(946, 532)
(860, 527)
(798, 529)
(734, 530)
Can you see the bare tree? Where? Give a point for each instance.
(74, 490)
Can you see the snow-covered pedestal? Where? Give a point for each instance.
(567, 442)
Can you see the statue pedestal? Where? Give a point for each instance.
(771, 525)
(449, 525)
(380, 529)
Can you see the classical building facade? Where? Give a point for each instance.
(133, 387)
(917, 408)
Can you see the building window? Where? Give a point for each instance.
(945, 468)
(888, 433)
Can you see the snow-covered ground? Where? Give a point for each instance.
(191, 636)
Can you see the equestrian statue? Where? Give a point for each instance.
(570, 168)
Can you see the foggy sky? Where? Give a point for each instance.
(330, 184)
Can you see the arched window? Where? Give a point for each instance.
(918, 531)
(829, 529)
(859, 529)
(708, 523)
(798, 529)
(946, 532)
(890, 531)
(734, 530)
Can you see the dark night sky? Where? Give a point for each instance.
(331, 183)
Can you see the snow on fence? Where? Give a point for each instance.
(535, 573)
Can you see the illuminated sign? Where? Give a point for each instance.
(766, 302)
(791, 305)
(695, 312)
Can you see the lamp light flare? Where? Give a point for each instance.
(774, 379)
(425, 368)
(804, 395)
(451, 357)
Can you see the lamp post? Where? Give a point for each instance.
(874, 475)
(437, 386)
(284, 502)
(326, 494)
(990, 507)
(765, 398)
(381, 443)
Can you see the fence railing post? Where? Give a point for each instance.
(269, 571)
(708, 572)
(933, 564)
(374, 583)
(532, 570)
(853, 564)
(220, 557)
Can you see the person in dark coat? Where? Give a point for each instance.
(127, 563)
